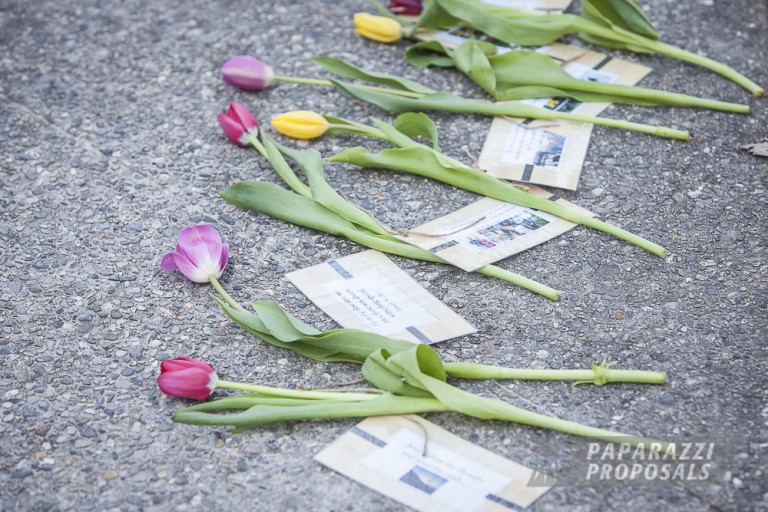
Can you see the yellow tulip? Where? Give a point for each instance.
(300, 124)
(378, 28)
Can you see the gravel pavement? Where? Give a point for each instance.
(109, 146)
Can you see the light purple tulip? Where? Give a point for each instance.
(199, 254)
(247, 73)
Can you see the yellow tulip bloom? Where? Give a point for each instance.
(300, 124)
(378, 28)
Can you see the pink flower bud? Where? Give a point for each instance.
(185, 377)
(238, 123)
(405, 6)
(199, 254)
(247, 73)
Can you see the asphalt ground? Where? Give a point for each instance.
(110, 147)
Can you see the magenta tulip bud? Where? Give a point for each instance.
(405, 6)
(185, 377)
(199, 254)
(238, 123)
(247, 73)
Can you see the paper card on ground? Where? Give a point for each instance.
(549, 152)
(431, 470)
(551, 156)
(546, 152)
(489, 230)
(368, 291)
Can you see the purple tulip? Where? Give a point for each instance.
(405, 6)
(199, 254)
(247, 73)
(185, 377)
(238, 123)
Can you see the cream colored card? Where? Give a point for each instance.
(490, 230)
(551, 156)
(431, 470)
(546, 152)
(549, 152)
(368, 291)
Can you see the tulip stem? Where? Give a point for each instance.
(363, 130)
(328, 83)
(598, 375)
(217, 286)
(298, 393)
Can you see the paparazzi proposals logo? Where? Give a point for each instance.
(650, 462)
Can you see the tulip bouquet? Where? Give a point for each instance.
(618, 24)
(399, 95)
(409, 155)
(317, 205)
(407, 378)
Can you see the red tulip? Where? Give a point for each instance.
(405, 6)
(185, 377)
(238, 123)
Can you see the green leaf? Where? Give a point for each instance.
(311, 162)
(439, 101)
(282, 168)
(471, 59)
(275, 201)
(417, 124)
(619, 13)
(429, 53)
(273, 325)
(280, 324)
(513, 26)
(264, 415)
(383, 372)
(347, 70)
(425, 162)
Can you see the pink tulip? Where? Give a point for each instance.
(247, 73)
(238, 123)
(199, 254)
(185, 377)
(405, 6)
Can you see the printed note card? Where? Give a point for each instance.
(368, 291)
(489, 230)
(545, 152)
(550, 152)
(429, 469)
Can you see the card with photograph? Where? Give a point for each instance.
(429, 469)
(545, 152)
(489, 230)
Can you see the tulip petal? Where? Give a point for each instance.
(241, 113)
(194, 383)
(182, 363)
(232, 129)
(300, 124)
(200, 243)
(190, 271)
(168, 264)
(377, 28)
(223, 259)
(247, 73)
